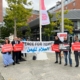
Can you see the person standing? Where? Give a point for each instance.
(76, 53)
(15, 53)
(67, 54)
(57, 41)
(7, 57)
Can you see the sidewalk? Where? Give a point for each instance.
(1, 78)
(40, 70)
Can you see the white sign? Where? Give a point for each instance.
(64, 47)
(37, 46)
(62, 36)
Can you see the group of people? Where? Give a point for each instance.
(67, 53)
(13, 58)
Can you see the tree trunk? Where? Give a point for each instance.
(15, 31)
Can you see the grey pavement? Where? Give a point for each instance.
(40, 70)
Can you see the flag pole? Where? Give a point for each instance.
(40, 26)
(62, 11)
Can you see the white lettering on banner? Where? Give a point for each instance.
(36, 47)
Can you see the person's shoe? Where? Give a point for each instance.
(17, 63)
(76, 66)
(13, 63)
(5, 65)
(56, 62)
(65, 65)
(70, 65)
(60, 62)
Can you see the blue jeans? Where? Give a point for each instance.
(67, 56)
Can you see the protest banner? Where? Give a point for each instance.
(7, 48)
(64, 47)
(18, 47)
(55, 47)
(76, 46)
(37, 46)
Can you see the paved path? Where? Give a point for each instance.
(40, 70)
(1, 77)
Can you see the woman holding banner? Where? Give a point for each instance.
(7, 57)
(76, 53)
(57, 41)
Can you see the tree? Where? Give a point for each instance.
(48, 30)
(68, 24)
(5, 31)
(17, 13)
(55, 25)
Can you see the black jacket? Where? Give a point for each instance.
(65, 42)
(57, 42)
(13, 42)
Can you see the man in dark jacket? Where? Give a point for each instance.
(57, 41)
(15, 53)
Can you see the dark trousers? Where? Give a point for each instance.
(15, 56)
(76, 57)
(58, 53)
(20, 55)
(67, 55)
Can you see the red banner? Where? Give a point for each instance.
(7, 48)
(18, 47)
(76, 46)
(55, 47)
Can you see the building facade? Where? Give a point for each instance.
(73, 6)
(1, 12)
(68, 5)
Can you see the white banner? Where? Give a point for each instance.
(37, 46)
(62, 36)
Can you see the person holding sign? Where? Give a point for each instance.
(7, 57)
(15, 53)
(76, 53)
(57, 42)
(65, 42)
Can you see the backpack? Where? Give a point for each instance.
(34, 57)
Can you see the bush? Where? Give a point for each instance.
(1, 41)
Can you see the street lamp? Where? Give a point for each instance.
(62, 12)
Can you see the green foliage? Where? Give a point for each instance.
(16, 11)
(49, 29)
(28, 32)
(5, 31)
(68, 24)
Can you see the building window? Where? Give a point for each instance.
(75, 25)
(74, 3)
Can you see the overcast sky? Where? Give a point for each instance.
(48, 3)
